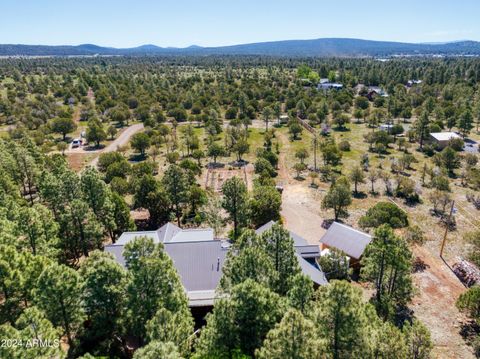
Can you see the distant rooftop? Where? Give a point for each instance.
(444, 136)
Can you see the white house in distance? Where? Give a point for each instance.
(326, 85)
(442, 139)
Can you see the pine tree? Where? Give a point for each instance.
(339, 316)
(293, 337)
(387, 263)
(235, 203)
(58, 293)
(104, 295)
(154, 283)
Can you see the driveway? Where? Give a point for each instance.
(470, 146)
(120, 141)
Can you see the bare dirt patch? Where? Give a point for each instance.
(77, 161)
(434, 304)
(215, 177)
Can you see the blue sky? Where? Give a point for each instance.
(122, 23)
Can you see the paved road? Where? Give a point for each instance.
(120, 141)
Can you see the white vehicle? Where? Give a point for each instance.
(76, 142)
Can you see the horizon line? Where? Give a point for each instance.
(242, 43)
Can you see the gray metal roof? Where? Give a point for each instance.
(170, 233)
(193, 235)
(311, 270)
(199, 258)
(129, 236)
(297, 240)
(347, 239)
(444, 136)
(199, 265)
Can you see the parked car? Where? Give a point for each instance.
(76, 142)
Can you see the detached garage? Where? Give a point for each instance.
(442, 139)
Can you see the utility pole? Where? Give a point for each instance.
(315, 152)
(446, 229)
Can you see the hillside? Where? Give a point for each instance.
(327, 47)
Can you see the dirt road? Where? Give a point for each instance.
(120, 141)
(300, 204)
(434, 304)
(300, 212)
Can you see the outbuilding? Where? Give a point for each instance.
(442, 139)
(347, 239)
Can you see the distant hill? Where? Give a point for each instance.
(328, 47)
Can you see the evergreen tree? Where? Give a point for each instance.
(387, 263)
(176, 187)
(32, 327)
(175, 327)
(154, 283)
(340, 319)
(338, 198)
(280, 248)
(293, 337)
(156, 350)
(418, 340)
(235, 203)
(104, 296)
(239, 324)
(59, 295)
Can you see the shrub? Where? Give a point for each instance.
(334, 264)
(384, 213)
(456, 143)
(263, 166)
(344, 146)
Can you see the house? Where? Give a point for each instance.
(410, 83)
(387, 127)
(442, 139)
(347, 239)
(374, 91)
(326, 85)
(199, 258)
(196, 254)
(359, 89)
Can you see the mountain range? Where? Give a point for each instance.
(325, 47)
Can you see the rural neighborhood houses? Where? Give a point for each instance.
(326, 85)
(374, 91)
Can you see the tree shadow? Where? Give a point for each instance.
(359, 195)
(239, 163)
(93, 147)
(341, 129)
(419, 265)
(137, 158)
(469, 331)
(213, 165)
